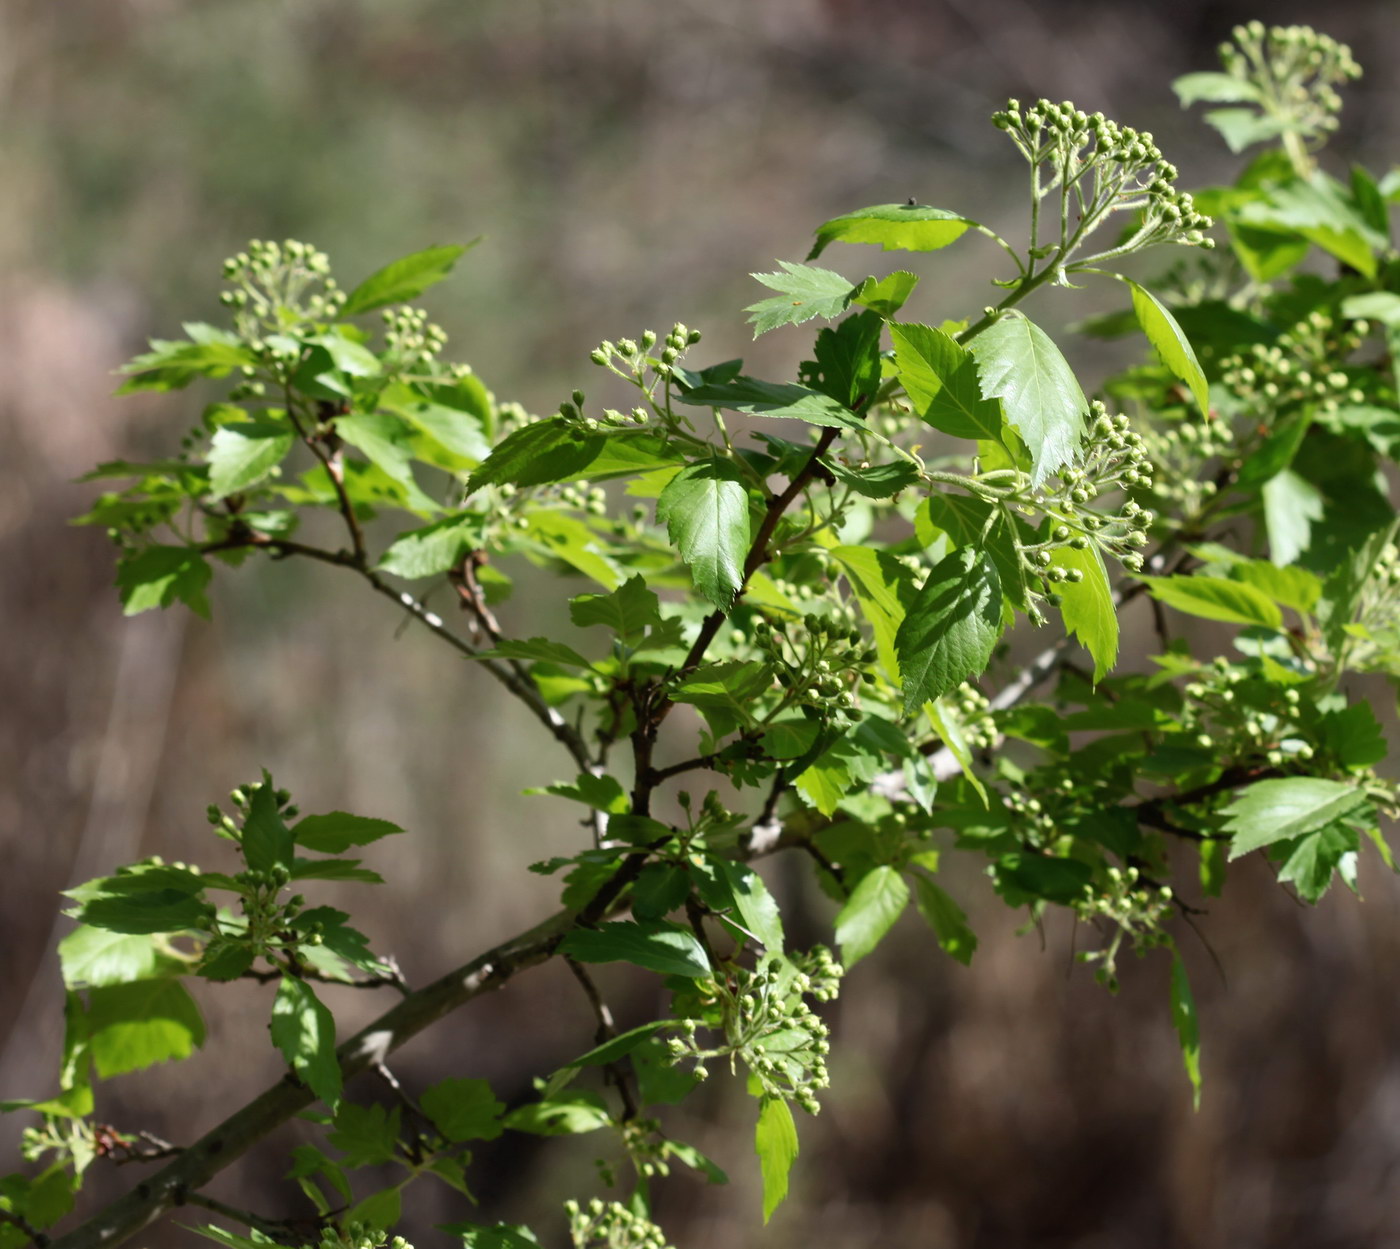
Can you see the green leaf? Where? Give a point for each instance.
(1314, 858)
(537, 650)
(804, 293)
(660, 947)
(174, 365)
(951, 627)
(1382, 306)
(381, 1209)
(1022, 878)
(242, 454)
(304, 1030)
(942, 381)
(1291, 505)
(337, 831)
(947, 724)
(1282, 808)
(92, 957)
(878, 481)
(946, 918)
(144, 911)
(158, 575)
(1353, 734)
(887, 295)
(135, 1025)
(628, 611)
(1187, 1028)
(432, 550)
(464, 1109)
(775, 1142)
(403, 279)
(496, 1236)
(705, 509)
(568, 1114)
(267, 841)
(384, 440)
(870, 912)
(537, 454)
(1087, 606)
(1319, 209)
(1171, 344)
(881, 585)
(1215, 598)
(334, 869)
(894, 227)
(367, 1135)
(1214, 88)
(1243, 127)
(617, 1047)
(778, 399)
(848, 364)
(347, 355)
(737, 888)
(1019, 364)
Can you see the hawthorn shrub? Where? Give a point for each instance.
(820, 600)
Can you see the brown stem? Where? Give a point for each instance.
(617, 1075)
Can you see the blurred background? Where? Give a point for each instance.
(629, 163)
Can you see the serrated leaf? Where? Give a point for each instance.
(569, 1114)
(881, 585)
(946, 918)
(1087, 606)
(942, 381)
(464, 1109)
(242, 454)
(92, 957)
(537, 650)
(1215, 598)
(494, 1236)
(660, 947)
(1282, 808)
(1171, 343)
(1188, 1033)
(367, 1135)
(804, 292)
(705, 508)
(777, 399)
(877, 481)
(384, 440)
(303, 1029)
(870, 912)
(950, 627)
(158, 575)
(847, 362)
(737, 888)
(893, 227)
(887, 295)
(432, 550)
(1291, 505)
(538, 454)
(1315, 857)
(148, 911)
(334, 869)
(131, 1026)
(628, 611)
(1019, 364)
(775, 1142)
(266, 840)
(1214, 88)
(337, 831)
(404, 279)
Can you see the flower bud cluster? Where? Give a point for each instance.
(1294, 70)
(1239, 717)
(611, 1225)
(1111, 168)
(1137, 910)
(410, 336)
(632, 360)
(975, 712)
(1377, 617)
(819, 663)
(767, 1024)
(359, 1236)
(275, 286)
(1300, 368)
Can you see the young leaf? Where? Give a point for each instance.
(384, 440)
(951, 627)
(887, 295)
(463, 1109)
(1285, 807)
(894, 227)
(1214, 598)
(775, 1142)
(304, 1030)
(1291, 505)
(367, 1135)
(1315, 857)
(569, 1114)
(1187, 1028)
(1019, 364)
(135, 1025)
(337, 831)
(737, 888)
(1087, 606)
(432, 550)
(870, 912)
(946, 918)
(159, 575)
(1171, 343)
(242, 454)
(805, 292)
(848, 364)
(1214, 88)
(92, 957)
(404, 279)
(267, 841)
(628, 611)
(660, 947)
(705, 509)
(537, 454)
(941, 380)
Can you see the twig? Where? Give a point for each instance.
(25, 1226)
(616, 1074)
(268, 1227)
